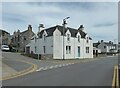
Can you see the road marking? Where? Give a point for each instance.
(63, 64)
(50, 67)
(55, 66)
(72, 63)
(39, 69)
(67, 64)
(115, 81)
(60, 65)
(45, 68)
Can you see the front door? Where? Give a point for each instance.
(78, 51)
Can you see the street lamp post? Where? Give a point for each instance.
(64, 23)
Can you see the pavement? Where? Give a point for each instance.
(12, 68)
(91, 72)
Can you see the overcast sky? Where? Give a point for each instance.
(100, 19)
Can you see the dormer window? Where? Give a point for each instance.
(68, 37)
(44, 36)
(87, 40)
(35, 39)
(78, 38)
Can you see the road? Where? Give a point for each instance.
(94, 73)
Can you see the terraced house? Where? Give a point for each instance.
(21, 39)
(5, 37)
(55, 43)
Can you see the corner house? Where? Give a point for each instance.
(49, 42)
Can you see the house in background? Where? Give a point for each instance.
(49, 42)
(5, 37)
(21, 39)
(106, 47)
(96, 51)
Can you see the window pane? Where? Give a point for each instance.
(87, 49)
(66, 49)
(69, 49)
(68, 37)
(78, 38)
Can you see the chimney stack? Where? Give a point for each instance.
(81, 28)
(110, 42)
(30, 27)
(102, 41)
(40, 27)
(98, 41)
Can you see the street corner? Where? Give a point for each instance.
(10, 72)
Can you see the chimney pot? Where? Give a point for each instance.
(110, 42)
(40, 27)
(30, 27)
(81, 28)
(102, 41)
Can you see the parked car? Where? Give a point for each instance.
(5, 48)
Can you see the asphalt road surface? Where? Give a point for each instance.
(94, 73)
(14, 61)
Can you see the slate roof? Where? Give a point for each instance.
(3, 32)
(107, 43)
(60, 28)
(95, 44)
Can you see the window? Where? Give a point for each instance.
(24, 38)
(78, 38)
(15, 38)
(35, 39)
(104, 47)
(44, 36)
(87, 40)
(18, 38)
(68, 37)
(35, 49)
(44, 49)
(87, 49)
(18, 45)
(68, 49)
(78, 51)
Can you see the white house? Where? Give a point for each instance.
(106, 47)
(77, 44)
(96, 50)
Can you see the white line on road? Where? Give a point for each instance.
(56, 66)
(50, 67)
(39, 69)
(60, 65)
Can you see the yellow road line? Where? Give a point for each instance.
(114, 76)
(117, 78)
(115, 81)
(23, 72)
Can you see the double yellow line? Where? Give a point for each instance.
(115, 81)
(31, 69)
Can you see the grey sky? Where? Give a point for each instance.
(99, 18)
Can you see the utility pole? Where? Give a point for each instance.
(64, 24)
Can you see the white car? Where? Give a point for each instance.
(5, 48)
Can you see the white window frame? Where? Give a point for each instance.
(68, 49)
(68, 37)
(44, 37)
(87, 40)
(78, 38)
(87, 49)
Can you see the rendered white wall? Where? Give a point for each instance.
(54, 46)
